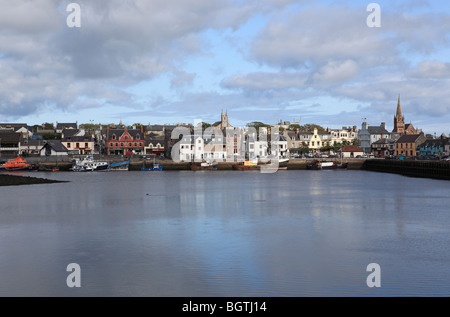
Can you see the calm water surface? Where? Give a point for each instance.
(230, 233)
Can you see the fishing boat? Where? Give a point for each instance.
(326, 165)
(88, 164)
(120, 166)
(18, 164)
(211, 166)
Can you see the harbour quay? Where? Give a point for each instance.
(412, 168)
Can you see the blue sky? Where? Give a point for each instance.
(178, 60)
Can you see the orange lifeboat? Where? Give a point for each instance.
(17, 164)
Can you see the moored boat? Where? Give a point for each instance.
(18, 164)
(247, 166)
(119, 166)
(88, 164)
(211, 166)
(326, 165)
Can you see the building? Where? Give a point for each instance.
(383, 147)
(31, 146)
(53, 148)
(347, 134)
(154, 146)
(223, 123)
(370, 134)
(124, 141)
(82, 145)
(400, 127)
(61, 126)
(408, 144)
(351, 151)
(10, 143)
(434, 147)
(364, 138)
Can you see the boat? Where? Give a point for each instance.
(211, 166)
(283, 163)
(18, 164)
(155, 167)
(247, 166)
(88, 164)
(120, 166)
(326, 165)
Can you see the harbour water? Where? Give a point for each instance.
(226, 233)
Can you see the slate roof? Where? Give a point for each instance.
(86, 138)
(435, 143)
(56, 145)
(408, 138)
(377, 130)
(10, 137)
(61, 126)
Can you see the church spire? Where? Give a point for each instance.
(399, 107)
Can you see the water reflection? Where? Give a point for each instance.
(226, 234)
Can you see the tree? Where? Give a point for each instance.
(310, 127)
(257, 125)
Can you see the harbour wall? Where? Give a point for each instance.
(412, 168)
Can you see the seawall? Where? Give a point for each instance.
(427, 169)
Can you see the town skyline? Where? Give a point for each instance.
(170, 61)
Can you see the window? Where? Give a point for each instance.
(117, 144)
(121, 144)
(77, 145)
(135, 144)
(129, 144)
(68, 145)
(85, 145)
(113, 136)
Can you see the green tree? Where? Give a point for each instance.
(257, 125)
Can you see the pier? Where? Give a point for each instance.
(412, 168)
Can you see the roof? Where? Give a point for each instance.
(435, 143)
(408, 138)
(384, 141)
(69, 132)
(351, 148)
(377, 130)
(86, 138)
(10, 137)
(132, 132)
(56, 145)
(61, 126)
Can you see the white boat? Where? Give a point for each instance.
(88, 164)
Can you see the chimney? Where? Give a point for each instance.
(383, 125)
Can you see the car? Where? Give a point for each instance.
(447, 158)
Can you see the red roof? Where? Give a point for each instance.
(351, 148)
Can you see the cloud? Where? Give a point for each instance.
(432, 69)
(335, 71)
(266, 81)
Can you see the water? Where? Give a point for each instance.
(226, 233)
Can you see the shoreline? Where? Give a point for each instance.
(17, 180)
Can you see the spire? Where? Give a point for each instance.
(399, 107)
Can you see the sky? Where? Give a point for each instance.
(175, 61)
